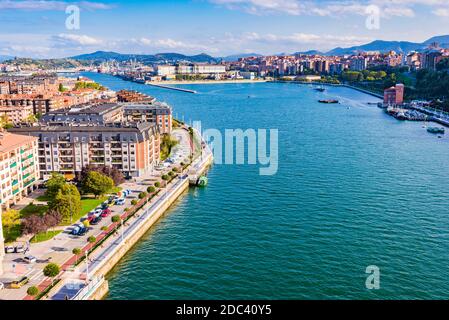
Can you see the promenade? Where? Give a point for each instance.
(59, 249)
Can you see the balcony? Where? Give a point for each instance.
(13, 165)
(15, 191)
(15, 182)
(26, 184)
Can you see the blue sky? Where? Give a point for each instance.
(217, 27)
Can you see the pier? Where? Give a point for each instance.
(171, 88)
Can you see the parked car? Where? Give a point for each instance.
(96, 221)
(10, 249)
(104, 205)
(82, 231)
(2, 286)
(106, 213)
(20, 249)
(20, 283)
(75, 230)
(120, 202)
(30, 259)
(98, 212)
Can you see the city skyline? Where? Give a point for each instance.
(215, 27)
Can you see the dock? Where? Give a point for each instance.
(171, 88)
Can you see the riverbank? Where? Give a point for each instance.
(103, 259)
(206, 82)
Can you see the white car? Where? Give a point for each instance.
(10, 249)
(30, 259)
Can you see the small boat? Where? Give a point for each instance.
(202, 181)
(328, 101)
(320, 89)
(436, 130)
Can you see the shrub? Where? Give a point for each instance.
(171, 173)
(51, 270)
(151, 189)
(115, 219)
(91, 239)
(76, 251)
(142, 195)
(126, 209)
(134, 202)
(104, 228)
(175, 170)
(157, 184)
(33, 291)
(164, 177)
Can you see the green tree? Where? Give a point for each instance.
(51, 270)
(54, 184)
(76, 252)
(151, 189)
(96, 183)
(115, 219)
(67, 201)
(92, 239)
(10, 219)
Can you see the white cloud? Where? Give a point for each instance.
(389, 8)
(170, 44)
(47, 5)
(441, 12)
(66, 39)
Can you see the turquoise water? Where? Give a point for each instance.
(355, 188)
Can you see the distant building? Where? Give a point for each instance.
(394, 96)
(431, 58)
(248, 75)
(191, 69)
(19, 170)
(358, 64)
(308, 78)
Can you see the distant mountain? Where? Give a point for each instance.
(101, 56)
(310, 52)
(236, 57)
(4, 58)
(385, 46)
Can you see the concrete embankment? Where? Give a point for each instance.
(171, 88)
(146, 218)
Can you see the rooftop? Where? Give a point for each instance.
(9, 141)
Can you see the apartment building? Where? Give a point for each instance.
(158, 113)
(72, 140)
(19, 170)
(16, 114)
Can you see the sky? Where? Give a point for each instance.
(45, 29)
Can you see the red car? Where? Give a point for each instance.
(105, 213)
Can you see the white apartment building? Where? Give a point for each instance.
(19, 168)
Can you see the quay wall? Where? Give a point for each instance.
(145, 225)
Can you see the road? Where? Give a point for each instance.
(59, 249)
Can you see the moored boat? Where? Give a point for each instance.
(436, 130)
(328, 101)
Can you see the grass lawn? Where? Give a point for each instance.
(45, 236)
(33, 209)
(44, 198)
(87, 205)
